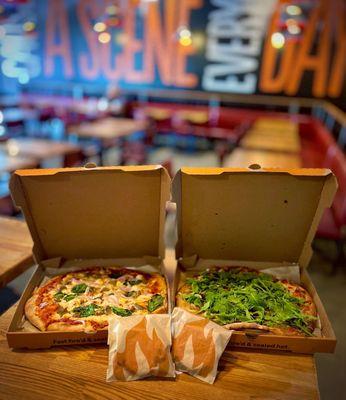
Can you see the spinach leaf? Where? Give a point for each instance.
(69, 297)
(121, 311)
(133, 282)
(59, 296)
(155, 302)
(86, 311)
(80, 288)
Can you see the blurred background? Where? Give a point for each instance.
(181, 83)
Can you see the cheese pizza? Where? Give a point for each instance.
(84, 300)
(241, 298)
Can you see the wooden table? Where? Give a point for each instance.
(242, 158)
(108, 128)
(15, 249)
(78, 372)
(9, 163)
(41, 149)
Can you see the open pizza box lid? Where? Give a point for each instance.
(258, 218)
(94, 213)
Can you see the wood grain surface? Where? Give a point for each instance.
(40, 148)
(15, 249)
(108, 128)
(80, 373)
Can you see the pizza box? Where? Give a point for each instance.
(256, 218)
(80, 217)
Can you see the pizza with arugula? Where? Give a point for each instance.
(241, 298)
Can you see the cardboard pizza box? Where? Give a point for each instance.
(111, 216)
(257, 218)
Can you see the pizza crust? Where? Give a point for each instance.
(30, 313)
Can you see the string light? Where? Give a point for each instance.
(112, 10)
(293, 10)
(104, 37)
(185, 41)
(292, 27)
(277, 40)
(184, 36)
(29, 26)
(100, 27)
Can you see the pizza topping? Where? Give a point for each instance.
(94, 294)
(122, 312)
(155, 302)
(132, 293)
(86, 311)
(229, 296)
(80, 288)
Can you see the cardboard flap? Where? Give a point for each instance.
(109, 212)
(261, 215)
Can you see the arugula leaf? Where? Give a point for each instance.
(155, 302)
(121, 311)
(80, 288)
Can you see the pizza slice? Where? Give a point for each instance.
(84, 300)
(241, 298)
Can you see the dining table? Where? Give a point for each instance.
(109, 132)
(15, 249)
(243, 158)
(41, 149)
(108, 128)
(79, 372)
(10, 162)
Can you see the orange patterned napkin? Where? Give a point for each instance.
(139, 346)
(197, 344)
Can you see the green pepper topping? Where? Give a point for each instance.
(155, 302)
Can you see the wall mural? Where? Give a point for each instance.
(232, 46)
